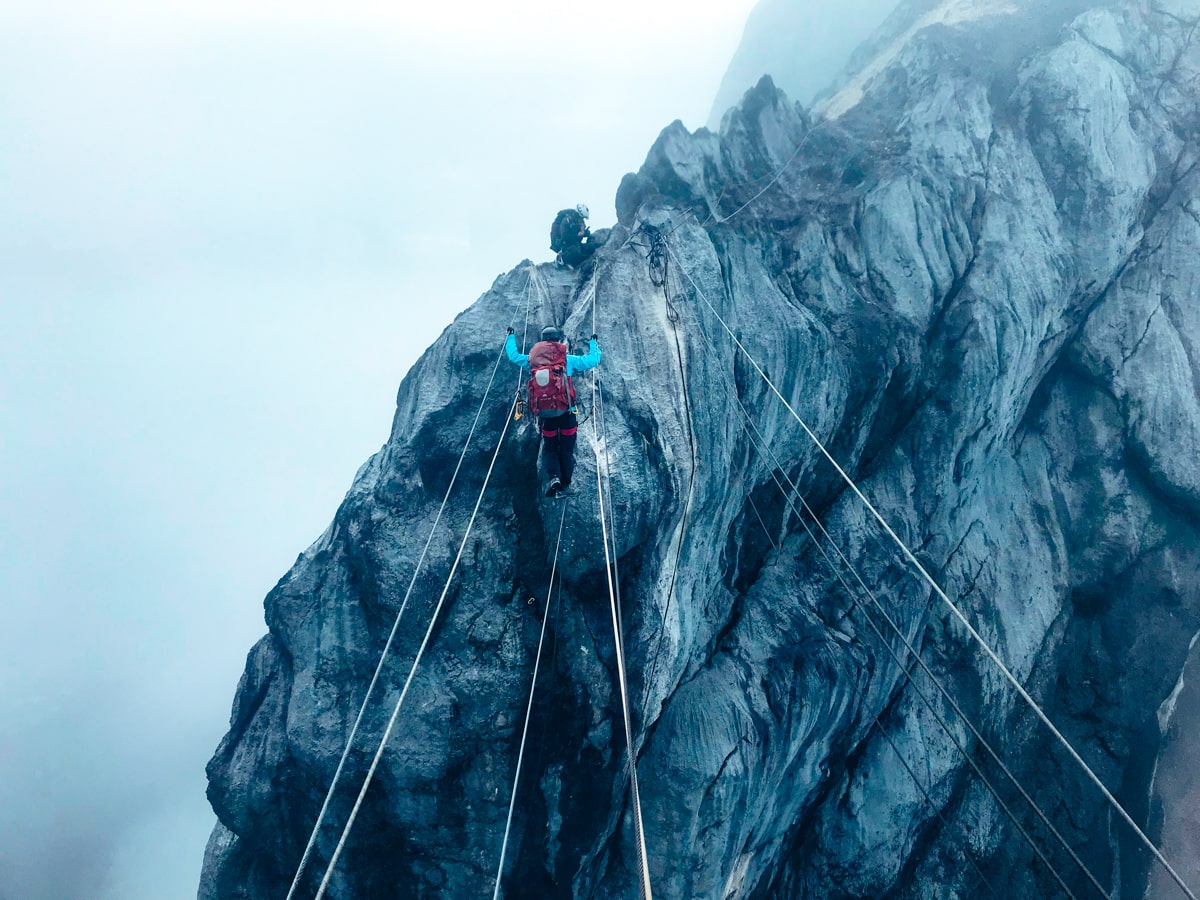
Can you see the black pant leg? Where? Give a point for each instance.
(551, 439)
(566, 456)
(567, 429)
(574, 254)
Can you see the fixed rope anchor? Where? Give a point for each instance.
(658, 255)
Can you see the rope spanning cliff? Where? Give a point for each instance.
(912, 560)
(387, 647)
(601, 441)
(971, 299)
(789, 489)
(512, 803)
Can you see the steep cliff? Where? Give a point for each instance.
(974, 274)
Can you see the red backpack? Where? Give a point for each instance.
(550, 390)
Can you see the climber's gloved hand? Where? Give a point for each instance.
(510, 330)
(595, 338)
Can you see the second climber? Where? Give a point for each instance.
(571, 238)
(551, 398)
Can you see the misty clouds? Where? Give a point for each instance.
(220, 251)
(218, 256)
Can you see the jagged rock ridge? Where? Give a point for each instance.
(977, 281)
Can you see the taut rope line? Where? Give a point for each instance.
(420, 652)
(391, 639)
(529, 707)
(759, 443)
(609, 562)
(912, 559)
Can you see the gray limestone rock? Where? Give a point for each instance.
(973, 273)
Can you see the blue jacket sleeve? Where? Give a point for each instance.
(510, 347)
(577, 364)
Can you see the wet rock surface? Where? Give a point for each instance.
(976, 279)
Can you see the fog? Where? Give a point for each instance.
(226, 233)
(802, 46)
(227, 230)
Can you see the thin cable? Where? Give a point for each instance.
(614, 593)
(595, 293)
(312, 839)
(420, 652)
(525, 334)
(529, 707)
(598, 411)
(714, 216)
(530, 274)
(610, 512)
(975, 732)
(643, 861)
(929, 800)
(936, 682)
(762, 447)
(758, 515)
(973, 764)
(912, 559)
(672, 318)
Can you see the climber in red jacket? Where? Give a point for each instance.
(552, 398)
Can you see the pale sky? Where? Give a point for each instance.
(227, 229)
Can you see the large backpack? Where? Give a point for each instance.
(565, 230)
(550, 390)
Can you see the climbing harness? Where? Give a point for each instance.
(529, 706)
(941, 594)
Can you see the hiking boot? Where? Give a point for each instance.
(555, 487)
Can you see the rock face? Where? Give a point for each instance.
(974, 274)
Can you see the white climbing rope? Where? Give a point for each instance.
(312, 839)
(912, 559)
(915, 654)
(598, 412)
(529, 706)
(531, 276)
(618, 639)
(760, 444)
(933, 805)
(408, 682)
(714, 216)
